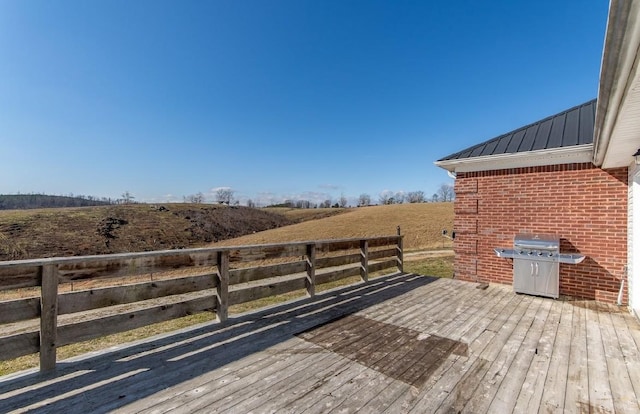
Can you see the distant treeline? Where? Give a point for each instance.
(28, 201)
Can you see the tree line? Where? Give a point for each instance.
(30, 201)
(226, 195)
(444, 193)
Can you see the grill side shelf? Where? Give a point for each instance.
(506, 253)
(571, 258)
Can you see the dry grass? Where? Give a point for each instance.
(421, 224)
(299, 215)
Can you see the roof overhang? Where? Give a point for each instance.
(617, 125)
(552, 156)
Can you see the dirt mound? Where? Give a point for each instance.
(26, 234)
(215, 224)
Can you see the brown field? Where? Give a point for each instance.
(26, 234)
(421, 224)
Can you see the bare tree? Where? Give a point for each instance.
(415, 197)
(127, 197)
(399, 197)
(386, 198)
(224, 195)
(250, 203)
(364, 200)
(445, 192)
(325, 204)
(434, 197)
(342, 201)
(197, 198)
(303, 204)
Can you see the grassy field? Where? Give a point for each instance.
(26, 234)
(421, 224)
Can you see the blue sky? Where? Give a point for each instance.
(276, 99)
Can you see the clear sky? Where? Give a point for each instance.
(276, 99)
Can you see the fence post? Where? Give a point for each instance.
(364, 260)
(311, 270)
(222, 286)
(48, 317)
(400, 248)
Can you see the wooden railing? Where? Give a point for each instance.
(81, 298)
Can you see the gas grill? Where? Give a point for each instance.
(536, 263)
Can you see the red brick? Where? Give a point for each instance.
(584, 205)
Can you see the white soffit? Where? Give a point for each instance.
(554, 156)
(617, 128)
(625, 136)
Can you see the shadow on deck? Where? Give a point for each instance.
(115, 378)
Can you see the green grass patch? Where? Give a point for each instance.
(433, 266)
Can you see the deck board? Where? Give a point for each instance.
(555, 385)
(402, 343)
(600, 397)
(533, 386)
(514, 373)
(577, 395)
(488, 310)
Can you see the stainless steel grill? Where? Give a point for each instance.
(536, 263)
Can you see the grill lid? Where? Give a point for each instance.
(536, 241)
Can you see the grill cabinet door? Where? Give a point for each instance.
(523, 276)
(546, 280)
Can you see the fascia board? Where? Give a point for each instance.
(554, 156)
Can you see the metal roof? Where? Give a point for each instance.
(571, 127)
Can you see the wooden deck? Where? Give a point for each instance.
(402, 343)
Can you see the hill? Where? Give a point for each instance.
(422, 225)
(142, 227)
(125, 228)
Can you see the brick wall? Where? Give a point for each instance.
(584, 205)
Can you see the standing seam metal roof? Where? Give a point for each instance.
(574, 126)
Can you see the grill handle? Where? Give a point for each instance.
(535, 246)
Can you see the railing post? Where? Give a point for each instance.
(222, 286)
(400, 252)
(311, 270)
(364, 260)
(48, 317)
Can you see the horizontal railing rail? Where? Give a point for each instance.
(72, 299)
